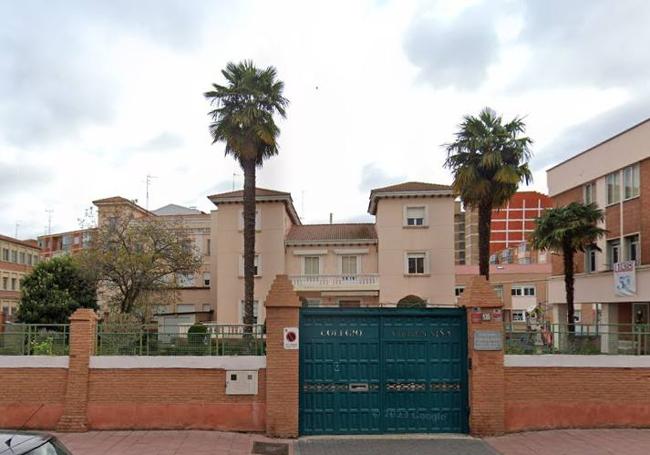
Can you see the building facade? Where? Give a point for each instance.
(615, 175)
(17, 259)
(511, 226)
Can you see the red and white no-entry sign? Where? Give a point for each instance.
(291, 338)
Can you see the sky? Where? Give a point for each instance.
(96, 95)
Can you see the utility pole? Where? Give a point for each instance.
(17, 225)
(49, 221)
(149, 177)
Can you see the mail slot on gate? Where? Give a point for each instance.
(358, 387)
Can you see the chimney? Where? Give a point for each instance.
(331, 217)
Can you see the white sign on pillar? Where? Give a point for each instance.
(291, 338)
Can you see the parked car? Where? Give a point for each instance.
(30, 443)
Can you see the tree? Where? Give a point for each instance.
(567, 230)
(243, 119)
(54, 290)
(488, 159)
(138, 262)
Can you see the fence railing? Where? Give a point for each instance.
(148, 340)
(34, 339)
(545, 338)
(301, 282)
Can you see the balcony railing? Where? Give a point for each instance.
(324, 282)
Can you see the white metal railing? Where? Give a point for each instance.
(368, 281)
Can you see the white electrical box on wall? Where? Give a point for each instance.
(241, 382)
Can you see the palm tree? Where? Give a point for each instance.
(567, 230)
(488, 159)
(243, 119)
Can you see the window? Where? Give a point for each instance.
(613, 252)
(30, 260)
(5, 254)
(458, 290)
(258, 220)
(523, 291)
(86, 239)
(589, 193)
(206, 307)
(185, 280)
(498, 289)
(14, 256)
(66, 242)
(206, 278)
(257, 268)
(185, 308)
(415, 216)
(22, 258)
(631, 181)
(415, 263)
(5, 283)
(13, 284)
(255, 311)
(577, 315)
(312, 265)
(613, 188)
(349, 265)
(590, 260)
(632, 248)
(518, 316)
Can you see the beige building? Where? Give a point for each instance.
(17, 258)
(408, 250)
(614, 174)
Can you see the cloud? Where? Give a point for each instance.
(454, 52)
(373, 176)
(60, 69)
(15, 178)
(576, 138)
(164, 141)
(586, 42)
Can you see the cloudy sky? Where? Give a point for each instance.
(96, 95)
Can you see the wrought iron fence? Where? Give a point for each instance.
(586, 339)
(182, 339)
(34, 339)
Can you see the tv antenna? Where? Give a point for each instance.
(149, 178)
(49, 220)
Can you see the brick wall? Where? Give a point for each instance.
(32, 397)
(178, 398)
(543, 398)
(644, 199)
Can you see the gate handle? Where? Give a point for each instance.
(358, 387)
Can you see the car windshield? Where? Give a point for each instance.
(51, 447)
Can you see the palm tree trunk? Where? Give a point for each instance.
(484, 229)
(249, 241)
(567, 254)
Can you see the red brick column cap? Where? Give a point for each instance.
(282, 294)
(84, 314)
(479, 294)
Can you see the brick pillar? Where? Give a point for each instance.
(83, 326)
(486, 378)
(2, 321)
(282, 310)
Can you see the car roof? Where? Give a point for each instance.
(21, 441)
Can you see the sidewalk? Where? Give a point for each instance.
(574, 442)
(163, 442)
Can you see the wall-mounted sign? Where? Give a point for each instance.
(625, 278)
(291, 338)
(476, 315)
(497, 314)
(486, 316)
(486, 340)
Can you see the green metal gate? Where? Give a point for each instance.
(383, 370)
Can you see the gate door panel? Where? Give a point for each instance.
(365, 371)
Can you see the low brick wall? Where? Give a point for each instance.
(545, 397)
(31, 397)
(177, 398)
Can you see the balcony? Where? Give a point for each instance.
(366, 282)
